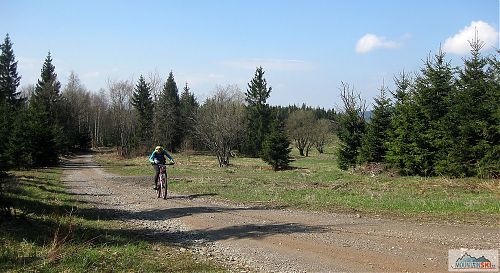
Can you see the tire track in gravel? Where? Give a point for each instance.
(273, 239)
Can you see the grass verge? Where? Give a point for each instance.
(316, 183)
(52, 232)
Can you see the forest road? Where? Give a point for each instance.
(262, 239)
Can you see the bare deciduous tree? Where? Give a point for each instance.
(155, 83)
(78, 97)
(322, 129)
(353, 103)
(76, 104)
(100, 124)
(300, 127)
(121, 109)
(219, 121)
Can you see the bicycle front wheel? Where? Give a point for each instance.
(164, 187)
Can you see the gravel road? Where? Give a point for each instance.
(262, 239)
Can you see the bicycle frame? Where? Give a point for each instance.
(162, 182)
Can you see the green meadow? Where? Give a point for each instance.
(316, 183)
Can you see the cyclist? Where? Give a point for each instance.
(159, 156)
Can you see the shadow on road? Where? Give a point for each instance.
(192, 196)
(158, 214)
(79, 165)
(254, 231)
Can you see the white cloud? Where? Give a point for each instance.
(459, 43)
(370, 42)
(270, 64)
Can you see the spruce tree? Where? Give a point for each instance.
(10, 100)
(433, 93)
(258, 113)
(276, 147)
(406, 124)
(188, 108)
(5, 131)
(475, 149)
(9, 78)
(373, 148)
(143, 103)
(21, 141)
(489, 164)
(167, 115)
(40, 137)
(351, 127)
(46, 136)
(47, 91)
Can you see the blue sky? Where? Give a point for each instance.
(305, 47)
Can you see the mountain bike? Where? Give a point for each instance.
(162, 181)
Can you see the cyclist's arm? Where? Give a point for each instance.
(151, 158)
(169, 156)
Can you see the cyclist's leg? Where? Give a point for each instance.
(164, 188)
(166, 182)
(157, 174)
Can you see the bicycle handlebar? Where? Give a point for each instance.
(164, 165)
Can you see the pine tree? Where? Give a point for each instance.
(373, 148)
(258, 113)
(10, 100)
(167, 115)
(276, 147)
(143, 103)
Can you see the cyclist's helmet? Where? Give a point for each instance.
(159, 148)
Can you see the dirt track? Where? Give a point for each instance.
(274, 240)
